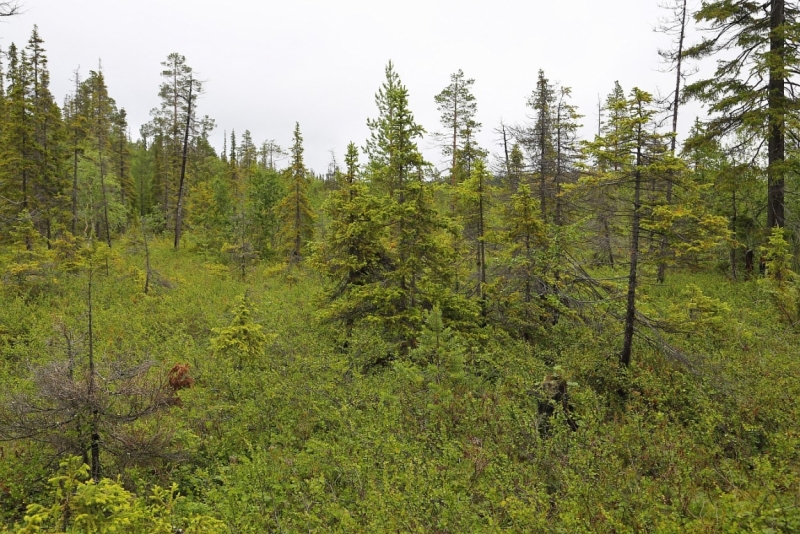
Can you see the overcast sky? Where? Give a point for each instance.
(319, 62)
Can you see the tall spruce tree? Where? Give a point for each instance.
(48, 154)
(295, 210)
(18, 138)
(474, 207)
(418, 273)
(540, 139)
(566, 150)
(516, 303)
(100, 109)
(76, 125)
(751, 90)
(121, 157)
(31, 152)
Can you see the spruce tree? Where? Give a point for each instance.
(100, 108)
(353, 253)
(566, 149)
(540, 139)
(48, 148)
(75, 119)
(752, 86)
(418, 272)
(18, 137)
(474, 195)
(121, 153)
(295, 210)
(516, 303)
(31, 147)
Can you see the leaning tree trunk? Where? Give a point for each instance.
(179, 206)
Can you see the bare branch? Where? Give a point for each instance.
(10, 8)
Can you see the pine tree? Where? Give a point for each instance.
(295, 209)
(269, 153)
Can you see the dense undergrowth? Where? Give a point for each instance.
(288, 427)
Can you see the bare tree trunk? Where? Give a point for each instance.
(93, 428)
(662, 266)
(105, 200)
(297, 221)
(607, 241)
(776, 102)
(146, 258)
(481, 247)
(542, 193)
(179, 206)
(733, 229)
(599, 116)
(242, 237)
(74, 191)
(101, 153)
(122, 142)
(630, 312)
(557, 180)
(505, 151)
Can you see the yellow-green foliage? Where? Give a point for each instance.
(242, 340)
(781, 282)
(105, 507)
(28, 263)
(325, 433)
